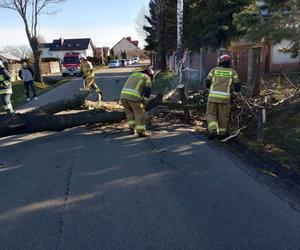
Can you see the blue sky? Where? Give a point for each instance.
(105, 21)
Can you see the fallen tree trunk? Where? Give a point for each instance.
(74, 102)
(38, 122)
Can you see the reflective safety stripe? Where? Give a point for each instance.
(1, 77)
(222, 130)
(5, 91)
(212, 124)
(229, 85)
(223, 73)
(8, 106)
(219, 94)
(132, 92)
(131, 122)
(140, 127)
(139, 84)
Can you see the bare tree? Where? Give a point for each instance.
(141, 22)
(20, 51)
(30, 10)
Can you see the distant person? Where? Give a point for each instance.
(26, 74)
(135, 90)
(87, 71)
(123, 62)
(5, 89)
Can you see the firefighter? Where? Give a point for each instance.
(5, 89)
(223, 84)
(87, 71)
(135, 92)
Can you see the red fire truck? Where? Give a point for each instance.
(71, 65)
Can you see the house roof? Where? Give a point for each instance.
(8, 56)
(128, 39)
(68, 44)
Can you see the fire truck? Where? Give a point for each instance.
(71, 64)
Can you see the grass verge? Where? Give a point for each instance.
(282, 139)
(50, 82)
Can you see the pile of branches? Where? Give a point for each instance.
(247, 113)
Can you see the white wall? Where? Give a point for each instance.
(128, 47)
(60, 54)
(279, 57)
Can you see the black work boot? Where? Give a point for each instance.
(212, 134)
(144, 134)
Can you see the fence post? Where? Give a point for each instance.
(183, 99)
(255, 85)
(261, 121)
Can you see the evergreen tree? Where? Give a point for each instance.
(209, 24)
(161, 32)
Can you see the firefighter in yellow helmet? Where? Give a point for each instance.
(87, 71)
(5, 89)
(223, 84)
(135, 91)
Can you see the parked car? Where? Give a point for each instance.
(128, 61)
(136, 59)
(114, 64)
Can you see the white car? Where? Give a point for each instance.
(136, 59)
(128, 61)
(114, 64)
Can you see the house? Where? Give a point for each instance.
(128, 46)
(9, 58)
(59, 47)
(275, 57)
(102, 52)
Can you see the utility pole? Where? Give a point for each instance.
(179, 52)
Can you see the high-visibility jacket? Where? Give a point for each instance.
(5, 84)
(135, 86)
(222, 83)
(87, 69)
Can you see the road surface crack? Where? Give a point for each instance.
(66, 198)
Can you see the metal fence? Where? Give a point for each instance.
(247, 61)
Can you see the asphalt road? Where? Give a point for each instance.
(105, 189)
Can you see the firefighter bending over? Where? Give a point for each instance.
(135, 92)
